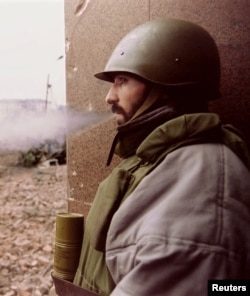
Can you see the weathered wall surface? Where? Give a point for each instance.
(94, 27)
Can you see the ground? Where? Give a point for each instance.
(30, 198)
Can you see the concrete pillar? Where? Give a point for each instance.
(93, 28)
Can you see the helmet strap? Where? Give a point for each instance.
(154, 94)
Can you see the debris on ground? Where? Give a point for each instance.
(30, 199)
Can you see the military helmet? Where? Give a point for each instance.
(171, 52)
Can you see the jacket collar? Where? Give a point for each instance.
(180, 131)
(131, 134)
(190, 129)
(151, 134)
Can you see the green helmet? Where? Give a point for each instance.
(171, 52)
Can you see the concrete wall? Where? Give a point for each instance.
(94, 27)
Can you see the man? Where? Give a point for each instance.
(176, 211)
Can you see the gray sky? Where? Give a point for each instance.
(31, 41)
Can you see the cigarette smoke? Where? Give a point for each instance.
(31, 129)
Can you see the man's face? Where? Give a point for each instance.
(125, 96)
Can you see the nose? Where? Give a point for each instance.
(111, 96)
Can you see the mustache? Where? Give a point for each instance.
(117, 109)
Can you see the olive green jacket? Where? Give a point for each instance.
(143, 150)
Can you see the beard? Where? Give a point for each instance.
(122, 115)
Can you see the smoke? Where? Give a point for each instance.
(31, 129)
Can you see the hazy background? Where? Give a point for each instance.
(31, 48)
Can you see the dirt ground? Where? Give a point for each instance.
(30, 198)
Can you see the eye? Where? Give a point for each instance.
(121, 80)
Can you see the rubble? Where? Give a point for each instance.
(29, 202)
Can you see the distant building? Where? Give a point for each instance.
(13, 107)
